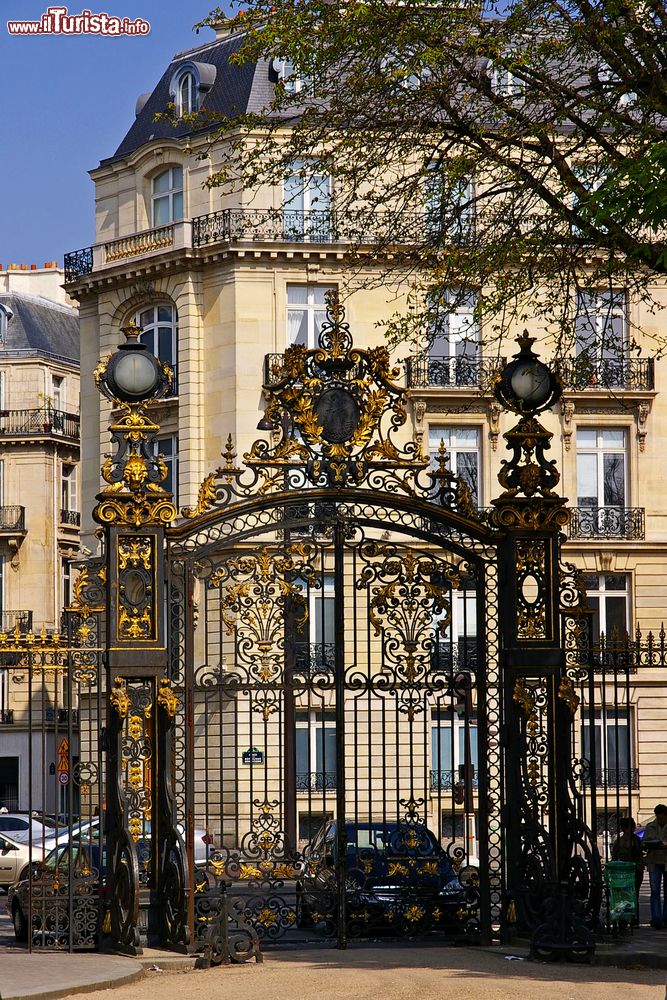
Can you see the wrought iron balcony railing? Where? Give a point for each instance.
(70, 517)
(453, 373)
(315, 781)
(459, 656)
(614, 777)
(274, 369)
(78, 263)
(60, 715)
(45, 420)
(607, 522)
(629, 374)
(314, 657)
(10, 619)
(6, 719)
(445, 781)
(12, 518)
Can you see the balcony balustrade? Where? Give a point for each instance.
(314, 657)
(72, 518)
(38, 422)
(606, 522)
(61, 715)
(6, 719)
(147, 241)
(315, 781)
(453, 373)
(12, 519)
(625, 374)
(10, 620)
(446, 780)
(610, 778)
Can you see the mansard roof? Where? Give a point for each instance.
(235, 90)
(41, 326)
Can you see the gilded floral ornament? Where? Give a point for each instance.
(167, 698)
(120, 698)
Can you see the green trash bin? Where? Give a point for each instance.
(619, 877)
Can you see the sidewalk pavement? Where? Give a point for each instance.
(49, 975)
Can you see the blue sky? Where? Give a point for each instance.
(67, 102)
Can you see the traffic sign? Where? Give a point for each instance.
(63, 777)
(63, 746)
(63, 763)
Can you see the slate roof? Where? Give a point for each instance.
(236, 90)
(40, 325)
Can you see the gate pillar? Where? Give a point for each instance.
(539, 697)
(145, 855)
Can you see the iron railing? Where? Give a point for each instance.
(315, 781)
(9, 620)
(314, 657)
(614, 777)
(45, 420)
(607, 522)
(71, 517)
(61, 715)
(78, 263)
(453, 373)
(6, 719)
(628, 374)
(274, 369)
(446, 780)
(12, 518)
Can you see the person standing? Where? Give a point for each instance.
(628, 847)
(655, 845)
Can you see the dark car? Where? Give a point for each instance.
(396, 876)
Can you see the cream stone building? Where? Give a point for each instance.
(221, 282)
(39, 512)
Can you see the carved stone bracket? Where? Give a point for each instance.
(420, 412)
(567, 409)
(643, 410)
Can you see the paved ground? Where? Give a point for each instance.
(388, 973)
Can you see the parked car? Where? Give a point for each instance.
(15, 859)
(19, 824)
(395, 874)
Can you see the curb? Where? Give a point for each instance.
(65, 991)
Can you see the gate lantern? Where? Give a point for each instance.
(144, 848)
(550, 852)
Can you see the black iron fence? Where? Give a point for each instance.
(12, 518)
(607, 373)
(44, 420)
(607, 522)
(453, 373)
(78, 263)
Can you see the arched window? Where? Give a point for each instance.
(159, 332)
(167, 197)
(186, 102)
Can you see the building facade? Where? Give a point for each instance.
(39, 512)
(221, 284)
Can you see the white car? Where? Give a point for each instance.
(15, 859)
(18, 825)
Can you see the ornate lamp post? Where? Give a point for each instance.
(144, 850)
(543, 833)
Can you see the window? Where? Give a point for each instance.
(66, 583)
(449, 205)
(314, 647)
(58, 392)
(167, 197)
(159, 332)
(306, 312)
(4, 690)
(453, 339)
(6, 314)
(168, 448)
(311, 823)
(307, 204)
(601, 337)
(294, 81)
(609, 597)
(68, 490)
(448, 748)
(9, 783)
(2, 390)
(315, 750)
(462, 454)
(504, 83)
(186, 98)
(613, 748)
(601, 480)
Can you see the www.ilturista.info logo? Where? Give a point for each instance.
(58, 21)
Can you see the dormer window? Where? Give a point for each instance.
(167, 197)
(293, 81)
(5, 315)
(505, 84)
(189, 85)
(187, 95)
